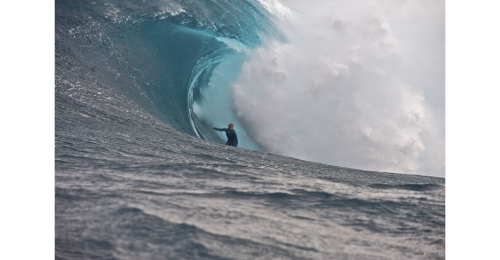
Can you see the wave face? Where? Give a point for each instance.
(141, 175)
(160, 55)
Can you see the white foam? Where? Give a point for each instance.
(170, 9)
(350, 88)
(233, 44)
(277, 9)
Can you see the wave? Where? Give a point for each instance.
(348, 87)
(316, 88)
(414, 187)
(161, 55)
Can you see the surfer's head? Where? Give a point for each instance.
(230, 127)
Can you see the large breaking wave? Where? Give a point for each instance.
(356, 84)
(326, 84)
(160, 54)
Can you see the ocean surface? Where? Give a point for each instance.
(139, 175)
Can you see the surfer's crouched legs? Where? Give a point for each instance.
(235, 144)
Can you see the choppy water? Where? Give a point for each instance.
(146, 191)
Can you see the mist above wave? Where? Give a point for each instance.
(351, 87)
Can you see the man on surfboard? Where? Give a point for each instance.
(232, 138)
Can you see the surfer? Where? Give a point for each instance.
(232, 138)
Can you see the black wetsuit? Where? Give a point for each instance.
(232, 138)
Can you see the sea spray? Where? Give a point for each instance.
(341, 90)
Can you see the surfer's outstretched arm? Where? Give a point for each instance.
(219, 129)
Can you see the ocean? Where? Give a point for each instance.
(140, 174)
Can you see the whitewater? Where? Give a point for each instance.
(328, 166)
